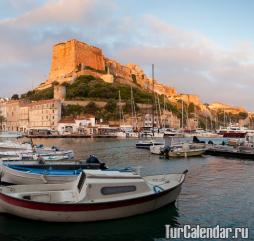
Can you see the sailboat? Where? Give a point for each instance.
(145, 144)
(121, 133)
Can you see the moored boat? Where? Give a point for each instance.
(185, 150)
(95, 195)
(231, 151)
(145, 144)
(10, 145)
(46, 173)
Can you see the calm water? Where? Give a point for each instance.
(216, 191)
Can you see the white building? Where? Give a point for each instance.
(75, 125)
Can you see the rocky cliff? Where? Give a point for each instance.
(73, 58)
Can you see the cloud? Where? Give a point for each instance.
(187, 60)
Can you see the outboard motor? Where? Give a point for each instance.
(196, 140)
(92, 161)
(166, 150)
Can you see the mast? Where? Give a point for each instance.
(121, 119)
(133, 111)
(159, 107)
(164, 111)
(224, 118)
(206, 122)
(153, 100)
(182, 113)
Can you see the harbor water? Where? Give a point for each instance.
(217, 191)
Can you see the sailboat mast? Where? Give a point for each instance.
(182, 113)
(153, 100)
(164, 110)
(133, 111)
(224, 118)
(119, 103)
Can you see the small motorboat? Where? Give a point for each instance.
(95, 195)
(231, 151)
(46, 173)
(10, 134)
(145, 144)
(186, 150)
(157, 149)
(10, 145)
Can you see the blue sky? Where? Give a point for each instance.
(202, 47)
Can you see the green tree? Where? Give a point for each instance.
(111, 106)
(243, 115)
(191, 108)
(15, 97)
(91, 108)
(72, 110)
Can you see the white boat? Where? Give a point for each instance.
(95, 195)
(145, 144)
(10, 145)
(18, 175)
(10, 134)
(156, 149)
(186, 150)
(173, 133)
(34, 155)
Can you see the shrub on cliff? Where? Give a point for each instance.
(39, 94)
(90, 87)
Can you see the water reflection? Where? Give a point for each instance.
(142, 227)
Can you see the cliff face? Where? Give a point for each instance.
(227, 108)
(74, 58)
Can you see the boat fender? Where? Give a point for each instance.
(157, 189)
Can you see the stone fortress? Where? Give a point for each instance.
(74, 58)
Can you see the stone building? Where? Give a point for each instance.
(69, 55)
(12, 115)
(74, 58)
(59, 92)
(23, 121)
(166, 120)
(44, 114)
(3, 114)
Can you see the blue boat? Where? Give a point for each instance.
(46, 173)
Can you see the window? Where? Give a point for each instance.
(117, 189)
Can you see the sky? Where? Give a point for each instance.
(202, 47)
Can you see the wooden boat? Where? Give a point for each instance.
(95, 195)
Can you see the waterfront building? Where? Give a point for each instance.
(44, 114)
(12, 115)
(3, 114)
(78, 125)
(166, 120)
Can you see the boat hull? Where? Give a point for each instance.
(87, 212)
(230, 154)
(186, 154)
(12, 176)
